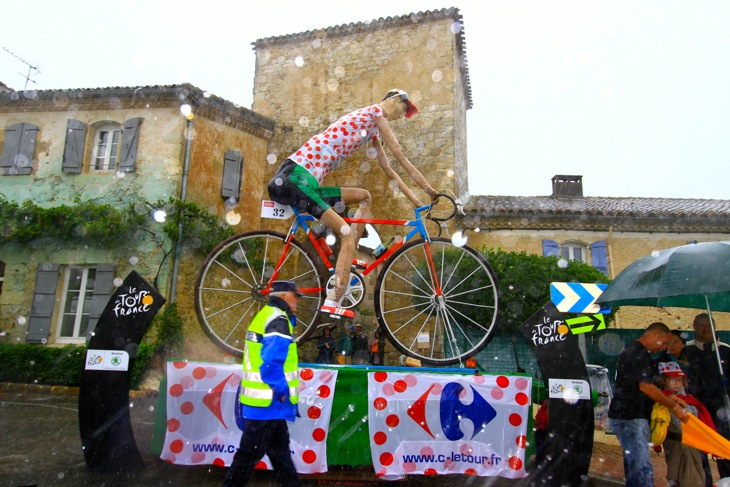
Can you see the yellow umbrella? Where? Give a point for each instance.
(698, 435)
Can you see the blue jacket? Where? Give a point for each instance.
(274, 350)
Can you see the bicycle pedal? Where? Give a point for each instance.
(359, 264)
(336, 312)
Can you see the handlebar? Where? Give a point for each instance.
(435, 201)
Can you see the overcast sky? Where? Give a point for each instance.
(634, 95)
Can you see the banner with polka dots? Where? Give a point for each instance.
(436, 424)
(202, 428)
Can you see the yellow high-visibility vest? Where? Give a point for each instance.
(254, 391)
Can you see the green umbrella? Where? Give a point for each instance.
(688, 276)
(684, 277)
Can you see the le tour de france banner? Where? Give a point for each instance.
(434, 424)
(204, 424)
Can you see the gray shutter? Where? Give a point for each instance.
(232, 173)
(550, 247)
(103, 284)
(130, 137)
(599, 258)
(20, 140)
(44, 300)
(73, 152)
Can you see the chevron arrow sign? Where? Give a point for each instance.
(575, 297)
(585, 324)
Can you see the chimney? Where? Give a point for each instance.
(567, 186)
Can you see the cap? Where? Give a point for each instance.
(283, 286)
(351, 328)
(411, 108)
(672, 369)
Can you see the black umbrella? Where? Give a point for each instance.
(688, 276)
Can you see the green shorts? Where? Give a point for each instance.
(293, 185)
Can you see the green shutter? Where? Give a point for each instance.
(19, 149)
(232, 173)
(103, 285)
(44, 300)
(130, 138)
(73, 152)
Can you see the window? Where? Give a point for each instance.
(577, 251)
(106, 148)
(78, 290)
(573, 251)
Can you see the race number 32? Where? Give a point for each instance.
(272, 209)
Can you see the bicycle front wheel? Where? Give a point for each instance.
(228, 292)
(437, 302)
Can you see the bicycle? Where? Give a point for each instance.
(434, 300)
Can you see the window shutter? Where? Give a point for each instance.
(73, 152)
(232, 173)
(103, 284)
(20, 140)
(550, 247)
(130, 137)
(44, 300)
(599, 258)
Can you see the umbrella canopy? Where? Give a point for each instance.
(688, 276)
(698, 435)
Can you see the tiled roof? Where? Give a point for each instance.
(203, 103)
(598, 213)
(369, 26)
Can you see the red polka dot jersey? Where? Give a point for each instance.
(324, 152)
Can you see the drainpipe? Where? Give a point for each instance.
(609, 248)
(183, 195)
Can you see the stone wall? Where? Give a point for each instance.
(307, 81)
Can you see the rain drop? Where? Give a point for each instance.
(459, 238)
(225, 282)
(339, 207)
(437, 76)
(304, 121)
(278, 181)
(20, 320)
(371, 153)
(117, 281)
(230, 203)
(456, 27)
(21, 161)
(160, 216)
(450, 173)
(365, 166)
(186, 111)
(562, 263)
(120, 174)
(233, 217)
(345, 230)
(271, 159)
(133, 260)
(299, 61)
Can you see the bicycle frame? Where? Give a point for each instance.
(300, 221)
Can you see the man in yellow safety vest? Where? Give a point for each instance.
(269, 389)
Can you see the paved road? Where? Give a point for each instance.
(40, 445)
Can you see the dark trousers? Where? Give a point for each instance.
(259, 438)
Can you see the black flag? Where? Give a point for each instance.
(569, 446)
(106, 429)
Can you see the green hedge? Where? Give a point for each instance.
(37, 364)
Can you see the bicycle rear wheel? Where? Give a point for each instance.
(438, 329)
(228, 290)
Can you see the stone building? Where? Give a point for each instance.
(608, 233)
(117, 146)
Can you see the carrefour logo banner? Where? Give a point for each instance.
(204, 424)
(432, 424)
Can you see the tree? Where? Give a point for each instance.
(524, 280)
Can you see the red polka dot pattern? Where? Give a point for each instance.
(338, 141)
(405, 420)
(200, 410)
